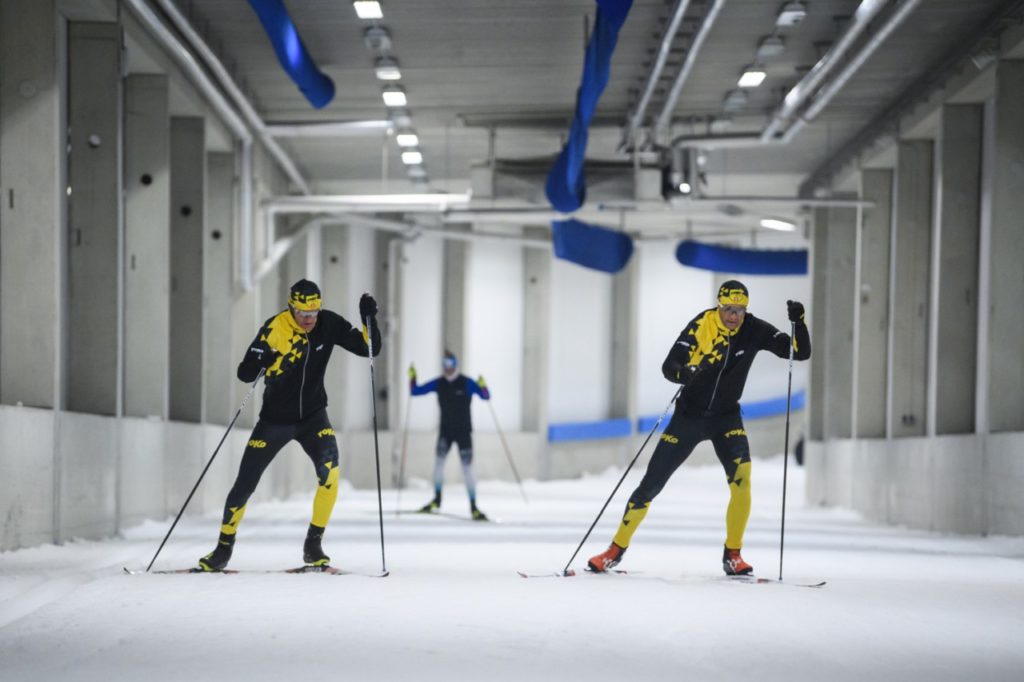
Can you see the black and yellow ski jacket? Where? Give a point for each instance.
(295, 381)
(713, 362)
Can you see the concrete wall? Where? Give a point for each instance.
(953, 484)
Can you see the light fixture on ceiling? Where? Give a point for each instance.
(412, 157)
(770, 46)
(734, 100)
(752, 77)
(792, 13)
(684, 188)
(387, 69)
(778, 224)
(394, 96)
(368, 9)
(377, 39)
(417, 172)
(407, 138)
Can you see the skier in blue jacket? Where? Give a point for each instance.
(454, 393)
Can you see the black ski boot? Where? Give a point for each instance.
(312, 552)
(476, 514)
(432, 506)
(218, 559)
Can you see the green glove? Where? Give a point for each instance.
(480, 382)
(412, 372)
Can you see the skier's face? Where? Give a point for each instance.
(732, 315)
(305, 318)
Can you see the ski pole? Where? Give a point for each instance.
(785, 447)
(679, 391)
(401, 463)
(376, 445)
(508, 453)
(207, 467)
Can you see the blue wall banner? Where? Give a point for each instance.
(742, 261)
(591, 246)
(318, 88)
(566, 185)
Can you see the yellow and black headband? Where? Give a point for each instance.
(304, 295)
(733, 293)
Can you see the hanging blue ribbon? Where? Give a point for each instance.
(318, 88)
(566, 184)
(591, 246)
(742, 261)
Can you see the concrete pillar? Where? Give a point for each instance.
(1006, 324)
(874, 236)
(819, 328)
(219, 357)
(955, 270)
(32, 241)
(840, 301)
(536, 331)
(188, 183)
(384, 366)
(147, 213)
(94, 251)
(334, 285)
(624, 321)
(456, 254)
(911, 257)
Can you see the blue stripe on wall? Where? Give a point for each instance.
(608, 428)
(750, 410)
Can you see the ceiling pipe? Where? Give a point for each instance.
(413, 231)
(833, 87)
(802, 91)
(362, 203)
(228, 83)
(637, 118)
(665, 117)
(826, 94)
(329, 129)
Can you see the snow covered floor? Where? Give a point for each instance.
(899, 604)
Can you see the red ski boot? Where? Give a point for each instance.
(607, 559)
(733, 563)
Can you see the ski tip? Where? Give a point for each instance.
(569, 572)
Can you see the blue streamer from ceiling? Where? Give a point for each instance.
(591, 246)
(742, 261)
(566, 184)
(292, 54)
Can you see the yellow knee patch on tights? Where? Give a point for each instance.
(231, 527)
(738, 512)
(326, 495)
(630, 520)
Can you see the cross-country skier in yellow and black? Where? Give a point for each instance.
(294, 347)
(711, 358)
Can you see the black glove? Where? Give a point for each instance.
(367, 307)
(679, 373)
(795, 310)
(262, 354)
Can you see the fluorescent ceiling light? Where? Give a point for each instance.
(752, 77)
(412, 158)
(368, 9)
(387, 69)
(394, 96)
(792, 13)
(735, 100)
(770, 46)
(777, 224)
(417, 172)
(685, 188)
(407, 139)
